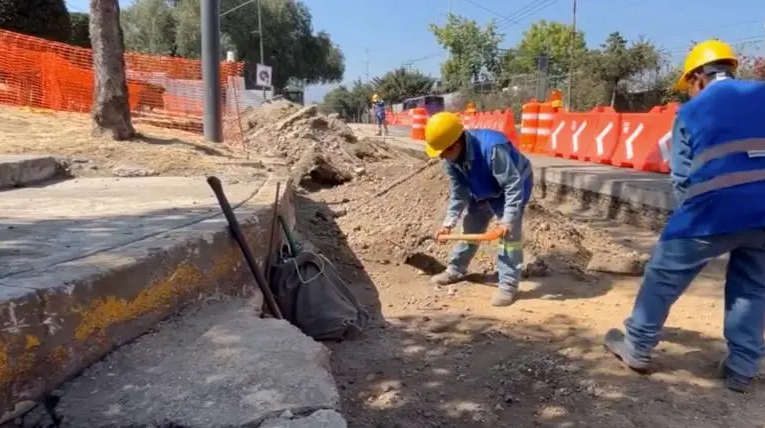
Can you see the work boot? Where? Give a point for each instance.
(615, 343)
(447, 277)
(733, 381)
(504, 297)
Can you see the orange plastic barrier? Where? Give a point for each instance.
(498, 120)
(544, 125)
(529, 125)
(419, 119)
(629, 140)
(605, 135)
(644, 140)
(39, 73)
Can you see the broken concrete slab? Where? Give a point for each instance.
(90, 264)
(23, 170)
(215, 365)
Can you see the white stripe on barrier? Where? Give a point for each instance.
(528, 116)
(418, 126)
(543, 131)
(532, 131)
(546, 116)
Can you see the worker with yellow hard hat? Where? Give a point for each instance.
(718, 175)
(378, 105)
(487, 177)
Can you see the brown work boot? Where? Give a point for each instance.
(504, 297)
(447, 277)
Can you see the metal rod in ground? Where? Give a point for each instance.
(236, 232)
(213, 115)
(271, 237)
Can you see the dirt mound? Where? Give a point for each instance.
(321, 150)
(395, 224)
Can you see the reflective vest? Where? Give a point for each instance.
(479, 177)
(379, 108)
(726, 185)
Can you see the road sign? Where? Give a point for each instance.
(263, 75)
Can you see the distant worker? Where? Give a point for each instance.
(487, 177)
(379, 109)
(718, 176)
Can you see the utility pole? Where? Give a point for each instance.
(260, 42)
(212, 123)
(569, 94)
(366, 52)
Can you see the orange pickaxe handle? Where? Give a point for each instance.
(486, 236)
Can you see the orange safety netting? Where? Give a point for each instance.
(162, 91)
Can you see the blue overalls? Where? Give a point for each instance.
(490, 178)
(718, 174)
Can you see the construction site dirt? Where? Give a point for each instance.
(443, 357)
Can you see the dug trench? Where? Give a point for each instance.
(443, 357)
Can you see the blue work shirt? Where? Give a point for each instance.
(512, 172)
(716, 165)
(379, 109)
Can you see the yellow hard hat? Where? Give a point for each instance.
(375, 97)
(702, 54)
(441, 132)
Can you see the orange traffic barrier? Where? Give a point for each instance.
(497, 120)
(653, 152)
(566, 139)
(544, 125)
(605, 135)
(419, 119)
(529, 124)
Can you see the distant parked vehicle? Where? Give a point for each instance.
(432, 103)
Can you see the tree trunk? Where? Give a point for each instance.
(111, 111)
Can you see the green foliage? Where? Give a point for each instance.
(80, 29)
(351, 104)
(616, 61)
(473, 51)
(47, 19)
(543, 37)
(149, 27)
(295, 52)
(397, 85)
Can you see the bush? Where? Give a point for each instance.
(80, 30)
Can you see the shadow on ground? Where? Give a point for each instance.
(450, 368)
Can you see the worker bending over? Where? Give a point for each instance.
(718, 176)
(487, 177)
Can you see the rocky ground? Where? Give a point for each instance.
(443, 357)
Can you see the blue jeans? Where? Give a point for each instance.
(675, 263)
(510, 251)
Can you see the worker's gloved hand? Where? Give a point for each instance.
(502, 230)
(442, 231)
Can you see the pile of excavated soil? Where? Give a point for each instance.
(321, 150)
(394, 225)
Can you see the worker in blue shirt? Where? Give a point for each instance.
(718, 176)
(487, 177)
(378, 106)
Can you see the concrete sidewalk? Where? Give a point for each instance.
(90, 264)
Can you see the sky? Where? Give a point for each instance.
(377, 36)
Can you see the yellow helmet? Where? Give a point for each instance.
(375, 97)
(702, 54)
(441, 132)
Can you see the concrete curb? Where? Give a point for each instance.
(23, 170)
(59, 321)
